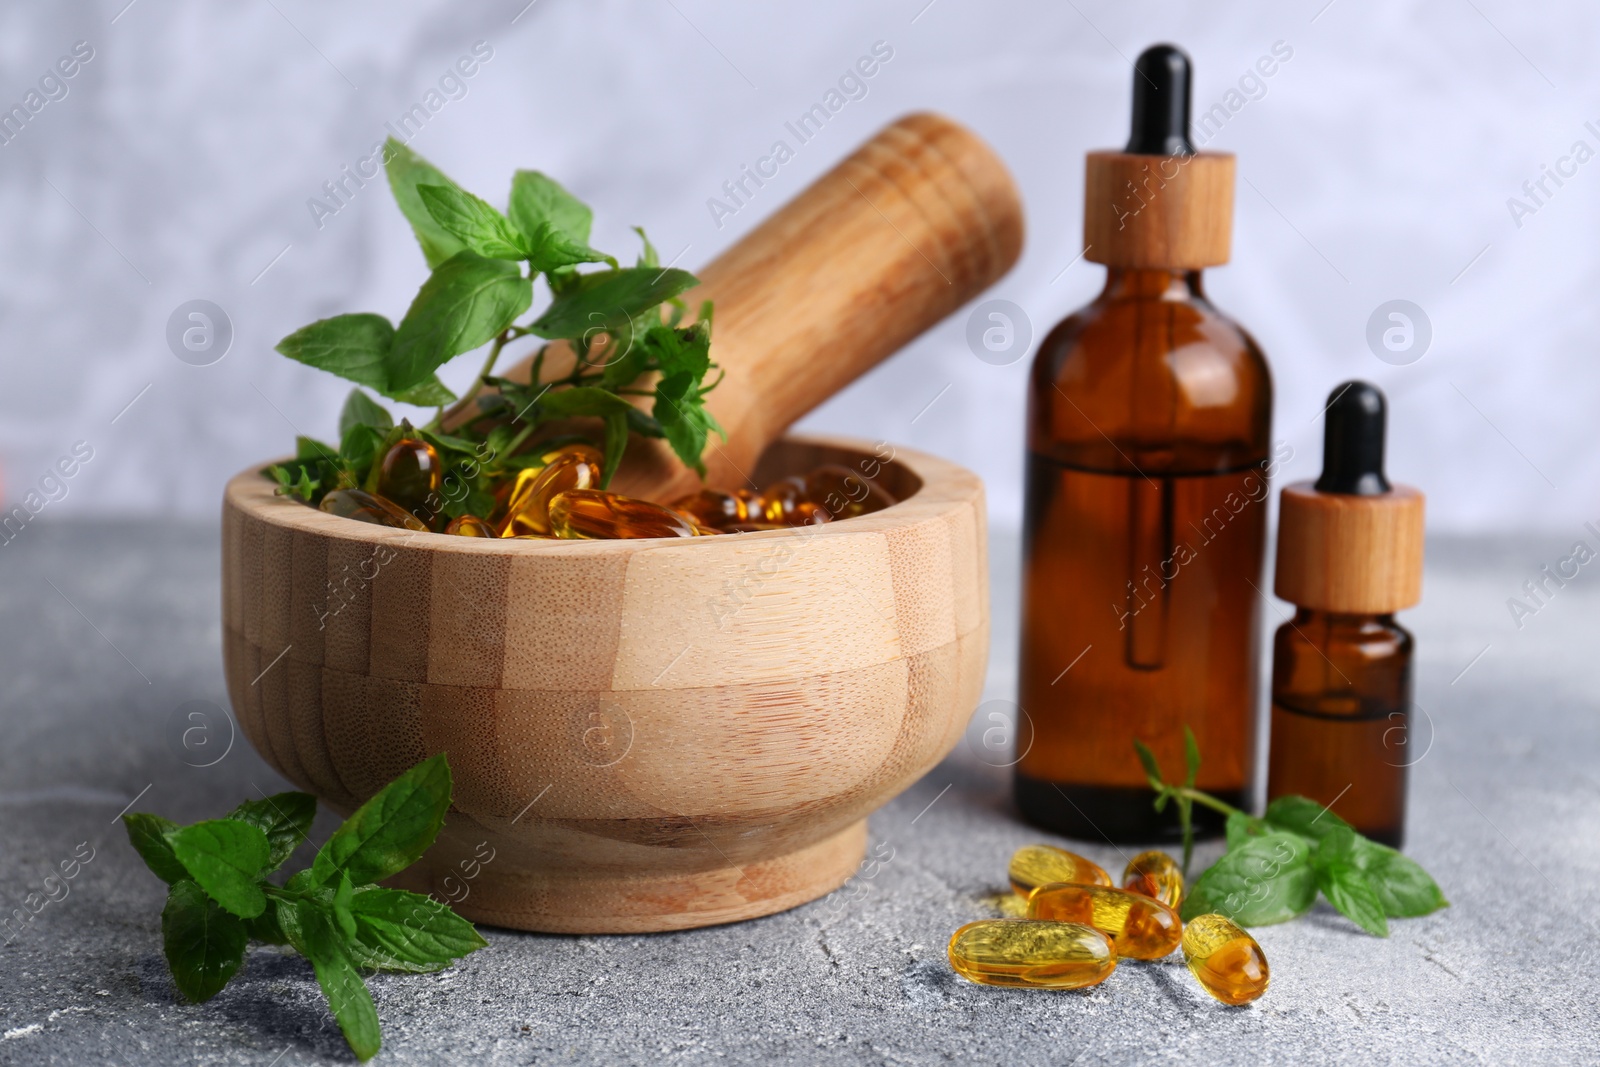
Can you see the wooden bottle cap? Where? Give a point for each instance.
(1172, 212)
(1359, 555)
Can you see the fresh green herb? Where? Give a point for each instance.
(331, 913)
(1276, 864)
(625, 325)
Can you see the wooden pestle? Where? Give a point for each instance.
(909, 227)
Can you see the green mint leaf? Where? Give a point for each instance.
(204, 945)
(1191, 756)
(344, 892)
(226, 857)
(432, 393)
(538, 202)
(582, 400)
(448, 444)
(615, 445)
(648, 256)
(675, 351)
(301, 881)
(355, 347)
(1345, 884)
(473, 222)
(684, 419)
(1241, 828)
(361, 410)
(1349, 890)
(303, 478)
(550, 251)
(401, 931)
(1266, 880)
(554, 226)
(391, 831)
(406, 171)
(1303, 816)
(147, 834)
(307, 487)
(360, 448)
(341, 982)
(1404, 889)
(621, 368)
(266, 927)
(313, 450)
(465, 302)
(284, 817)
(624, 367)
(1152, 769)
(609, 301)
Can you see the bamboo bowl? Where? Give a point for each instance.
(646, 734)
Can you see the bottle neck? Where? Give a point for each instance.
(1335, 620)
(1144, 283)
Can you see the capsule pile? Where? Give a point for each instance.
(559, 496)
(1079, 925)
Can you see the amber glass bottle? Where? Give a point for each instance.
(1341, 707)
(1349, 557)
(1149, 417)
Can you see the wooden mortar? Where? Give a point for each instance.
(662, 734)
(645, 734)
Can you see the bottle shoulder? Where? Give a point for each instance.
(1314, 635)
(1153, 381)
(1191, 337)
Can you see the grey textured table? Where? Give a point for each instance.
(110, 628)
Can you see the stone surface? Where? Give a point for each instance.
(110, 629)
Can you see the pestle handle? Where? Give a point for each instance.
(913, 224)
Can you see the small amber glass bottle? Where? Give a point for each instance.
(1149, 418)
(1349, 557)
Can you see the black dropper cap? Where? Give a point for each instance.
(1161, 79)
(1352, 446)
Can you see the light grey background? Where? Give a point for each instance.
(1375, 164)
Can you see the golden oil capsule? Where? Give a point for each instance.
(469, 526)
(806, 513)
(1224, 959)
(1035, 865)
(714, 508)
(1032, 954)
(508, 487)
(410, 476)
(365, 507)
(1140, 927)
(1155, 874)
(844, 493)
(751, 501)
(528, 508)
(778, 500)
(754, 527)
(594, 513)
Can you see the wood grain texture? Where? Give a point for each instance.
(1350, 554)
(1167, 212)
(912, 225)
(646, 735)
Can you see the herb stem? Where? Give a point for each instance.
(1205, 798)
(477, 383)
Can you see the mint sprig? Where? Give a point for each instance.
(1276, 864)
(485, 266)
(221, 899)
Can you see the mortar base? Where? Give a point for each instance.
(644, 902)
